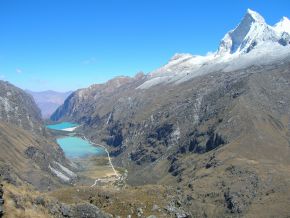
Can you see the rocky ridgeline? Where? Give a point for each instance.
(60, 210)
(55, 208)
(19, 108)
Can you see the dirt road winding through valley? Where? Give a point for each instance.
(110, 161)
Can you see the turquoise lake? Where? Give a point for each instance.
(76, 147)
(62, 125)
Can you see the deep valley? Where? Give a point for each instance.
(202, 136)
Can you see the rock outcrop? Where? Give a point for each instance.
(1, 199)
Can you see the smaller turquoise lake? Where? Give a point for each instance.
(75, 147)
(61, 126)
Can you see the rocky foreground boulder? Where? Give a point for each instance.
(1, 199)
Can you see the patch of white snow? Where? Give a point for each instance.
(59, 174)
(66, 170)
(282, 26)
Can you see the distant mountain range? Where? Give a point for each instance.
(48, 101)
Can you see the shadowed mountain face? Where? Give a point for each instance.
(217, 127)
(48, 101)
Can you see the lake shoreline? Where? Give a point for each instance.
(93, 161)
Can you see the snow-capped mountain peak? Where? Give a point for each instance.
(252, 42)
(283, 26)
(254, 16)
(251, 31)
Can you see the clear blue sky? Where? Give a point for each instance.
(69, 44)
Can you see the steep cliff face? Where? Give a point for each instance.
(27, 153)
(250, 33)
(19, 108)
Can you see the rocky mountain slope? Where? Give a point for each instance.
(28, 154)
(19, 109)
(216, 126)
(48, 101)
(30, 162)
